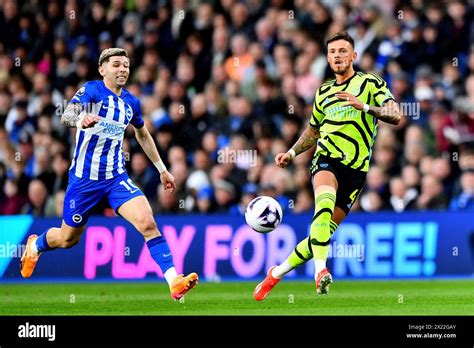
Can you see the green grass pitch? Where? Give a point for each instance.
(410, 297)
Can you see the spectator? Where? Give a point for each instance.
(180, 173)
(198, 124)
(306, 82)
(225, 195)
(205, 200)
(37, 196)
(377, 181)
(249, 192)
(14, 201)
(411, 178)
(441, 169)
(458, 129)
(401, 197)
(466, 160)
(371, 202)
(230, 75)
(465, 200)
(55, 205)
(220, 46)
(304, 201)
(167, 202)
(431, 196)
(241, 59)
(143, 175)
(18, 122)
(201, 160)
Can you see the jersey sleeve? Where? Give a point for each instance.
(380, 91)
(137, 119)
(317, 115)
(85, 95)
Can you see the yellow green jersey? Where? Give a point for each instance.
(348, 134)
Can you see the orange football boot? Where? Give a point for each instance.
(264, 288)
(29, 259)
(181, 285)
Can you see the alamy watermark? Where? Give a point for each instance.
(9, 250)
(411, 110)
(351, 251)
(242, 157)
(87, 108)
(37, 331)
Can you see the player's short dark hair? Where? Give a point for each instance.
(111, 52)
(341, 35)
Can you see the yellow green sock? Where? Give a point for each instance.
(320, 231)
(303, 252)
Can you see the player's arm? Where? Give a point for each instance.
(306, 141)
(71, 117)
(147, 143)
(309, 137)
(389, 112)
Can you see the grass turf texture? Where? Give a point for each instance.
(434, 297)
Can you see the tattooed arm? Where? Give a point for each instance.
(307, 140)
(71, 117)
(389, 113)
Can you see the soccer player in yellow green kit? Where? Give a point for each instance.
(343, 125)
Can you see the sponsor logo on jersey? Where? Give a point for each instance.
(355, 91)
(111, 129)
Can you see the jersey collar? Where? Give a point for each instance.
(347, 81)
(107, 88)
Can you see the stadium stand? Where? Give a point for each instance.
(239, 76)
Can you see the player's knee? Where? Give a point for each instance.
(147, 224)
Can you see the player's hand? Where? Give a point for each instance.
(168, 181)
(350, 100)
(90, 121)
(282, 159)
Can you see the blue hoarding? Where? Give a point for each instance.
(385, 245)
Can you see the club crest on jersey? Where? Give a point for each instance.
(129, 113)
(81, 92)
(77, 218)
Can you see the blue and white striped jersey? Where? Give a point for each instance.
(98, 153)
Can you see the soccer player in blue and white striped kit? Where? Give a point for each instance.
(101, 110)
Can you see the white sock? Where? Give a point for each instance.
(280, 271)
(170, 274)
(320, 264)
(34, 248)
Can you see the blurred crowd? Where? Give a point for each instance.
(225, 85)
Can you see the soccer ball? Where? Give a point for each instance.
(263, 214)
